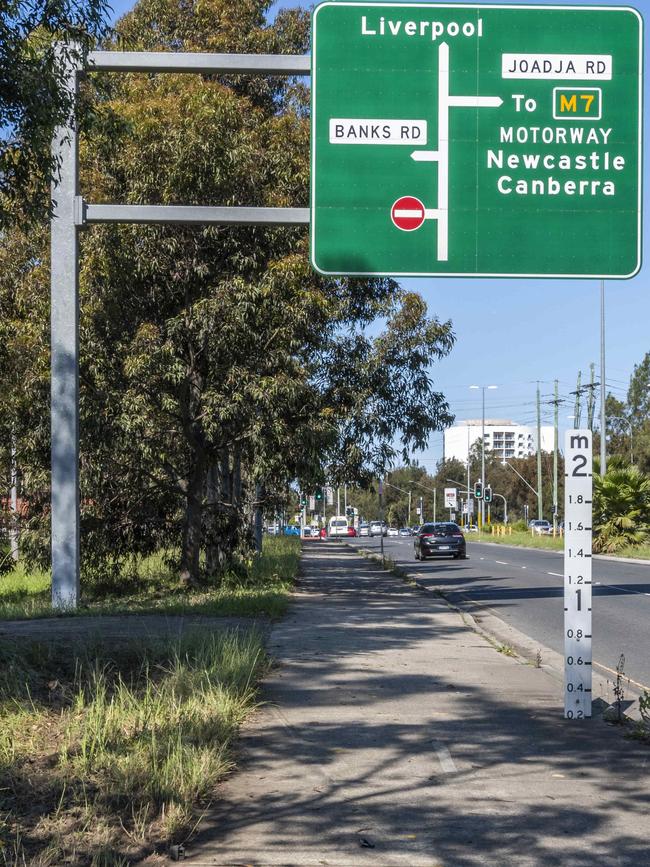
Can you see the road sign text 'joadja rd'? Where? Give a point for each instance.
(476, 140)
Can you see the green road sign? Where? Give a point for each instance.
(476, 140)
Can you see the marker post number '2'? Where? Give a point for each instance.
(516, 130)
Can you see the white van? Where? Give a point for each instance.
(338, 526)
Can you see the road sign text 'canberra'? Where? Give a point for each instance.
(476, 140)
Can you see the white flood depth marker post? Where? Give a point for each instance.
(577, 573)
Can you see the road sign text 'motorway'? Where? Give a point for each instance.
(516, 128)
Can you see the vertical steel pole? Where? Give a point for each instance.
(603, 385)
(483, 458)
(540, 509)
(65, 359)
(556, 403)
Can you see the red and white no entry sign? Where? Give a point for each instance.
(407, 213)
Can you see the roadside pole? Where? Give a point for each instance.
(578, 458)
(555, 447)
(381, 520)
(540, 508)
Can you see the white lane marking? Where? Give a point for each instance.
(501, 563)
(524, 567)
(557, 574)
(596, 582)
(481, 558)
(447, 764)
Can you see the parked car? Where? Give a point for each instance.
(378, 528)
(364, 529)
(444, 539)
(352, 531)
(392, 531)
(404, 531)
(540, 528)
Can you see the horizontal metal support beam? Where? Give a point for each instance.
(150, 214)
(183, 61)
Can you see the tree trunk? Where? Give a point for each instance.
(257, 518)
(191, 540)
(212, 520)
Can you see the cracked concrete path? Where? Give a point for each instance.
(392, 734)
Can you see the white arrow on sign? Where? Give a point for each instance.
(441, 156)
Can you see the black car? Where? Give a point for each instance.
(445, 539)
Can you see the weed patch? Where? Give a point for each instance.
(109, 750)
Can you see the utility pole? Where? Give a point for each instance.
(591, 398)
(603, 386)
(421, 511)
(338, 500)
(468, 478)
(434, 505)
(345, 498)
(577, 392)
(556, 403)
(540, 510)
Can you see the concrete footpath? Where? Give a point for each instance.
(392, 734)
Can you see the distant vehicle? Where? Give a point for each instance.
(378, 528)
(364, 530)
(404, 531)
(291, 531)
(338, 526)
(540, 528)
(444, 539)
(352, 531)
(307, 533)
(392, 531)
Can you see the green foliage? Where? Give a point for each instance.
(32, 97)
(621, 509)
(149, 585)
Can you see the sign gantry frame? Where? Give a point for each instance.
(70, 213)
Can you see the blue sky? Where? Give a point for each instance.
(511, 333)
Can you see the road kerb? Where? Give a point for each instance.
(496, 632)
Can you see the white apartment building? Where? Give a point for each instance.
(502, 437)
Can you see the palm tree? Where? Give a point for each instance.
(621, 509)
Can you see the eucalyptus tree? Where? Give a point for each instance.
(36, 41)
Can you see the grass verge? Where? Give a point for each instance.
(110, 751)
(523, 539)
(150, 585)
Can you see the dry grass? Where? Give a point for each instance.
(108, 753)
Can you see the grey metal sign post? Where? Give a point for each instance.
(70, 213)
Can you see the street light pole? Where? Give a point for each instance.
(483, 479)
(603, 384)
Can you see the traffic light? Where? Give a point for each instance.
(487, 494)
(303, 499)
(478, 490)
(350, 512)
(318, 494)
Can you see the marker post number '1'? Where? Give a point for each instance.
(515, 130)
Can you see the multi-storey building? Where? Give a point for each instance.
(503, 437)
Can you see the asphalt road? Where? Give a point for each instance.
(525, 588)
